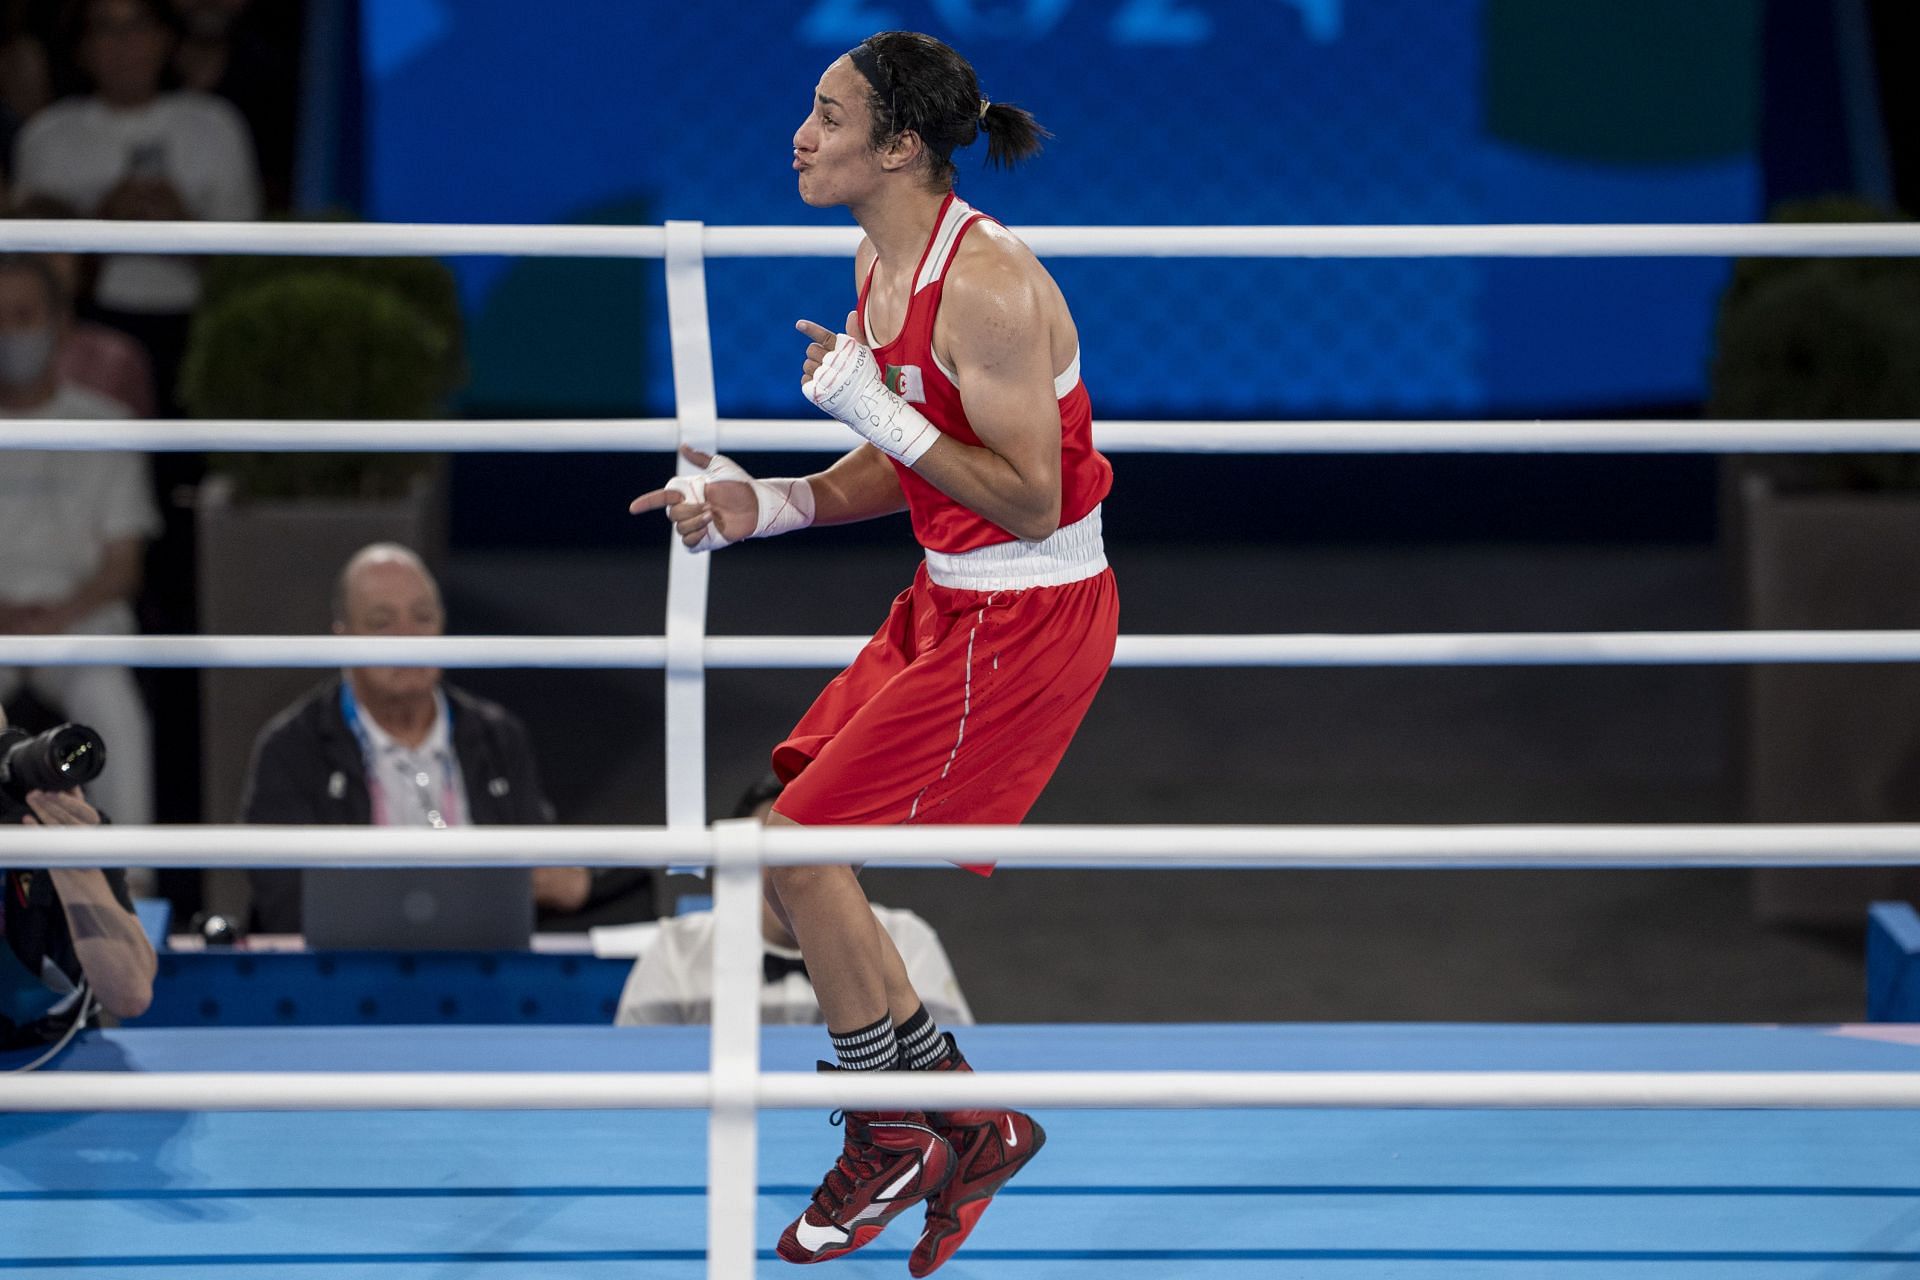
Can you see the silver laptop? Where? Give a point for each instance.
(413, 909)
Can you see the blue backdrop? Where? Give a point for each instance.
(1165, 111)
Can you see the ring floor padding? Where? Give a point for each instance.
(1347, 1194)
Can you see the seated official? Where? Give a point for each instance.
(398, 746)
(672, 981)
(69, 939)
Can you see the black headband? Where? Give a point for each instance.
(867, 63)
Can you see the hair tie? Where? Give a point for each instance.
(984, 104)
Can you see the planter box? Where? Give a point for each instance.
(1831, 742)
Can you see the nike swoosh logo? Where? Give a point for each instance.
(878, 1206)
(814, 1239)
(1013, 1139)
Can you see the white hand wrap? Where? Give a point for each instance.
(848, 385)
(783, 505)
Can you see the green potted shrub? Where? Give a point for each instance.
(1825, 541)
(306, 338)
(326, 338)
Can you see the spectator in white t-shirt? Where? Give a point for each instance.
(129, 150)
(672, 981)
(74, 527)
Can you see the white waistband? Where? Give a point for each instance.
(1068, 554)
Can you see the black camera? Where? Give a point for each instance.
(62, 758)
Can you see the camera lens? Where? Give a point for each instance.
(60, 759)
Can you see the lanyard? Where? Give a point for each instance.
(437, 811)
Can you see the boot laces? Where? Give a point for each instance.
(859, 1161)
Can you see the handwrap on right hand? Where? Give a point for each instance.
(782, 505)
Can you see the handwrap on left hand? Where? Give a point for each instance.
(781, 506)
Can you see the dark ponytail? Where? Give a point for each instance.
(920, 84)
(1012, 133)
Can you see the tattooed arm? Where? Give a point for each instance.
(113, 949)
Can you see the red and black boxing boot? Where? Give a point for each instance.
(989, 1147)
(892, 1161)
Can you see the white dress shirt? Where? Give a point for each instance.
(414, 786)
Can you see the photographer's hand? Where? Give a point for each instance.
(60, 809)
(114, 952)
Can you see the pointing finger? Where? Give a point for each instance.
(657, 500)
(818, 333)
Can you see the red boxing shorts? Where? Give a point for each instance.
(957, 711)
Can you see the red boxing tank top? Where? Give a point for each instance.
(915, 373)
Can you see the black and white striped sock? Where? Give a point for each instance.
(871, 1048)
(921, 1044)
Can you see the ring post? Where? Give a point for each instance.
(696, 411)
(733, 1124)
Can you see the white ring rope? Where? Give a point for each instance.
(635, 652)
(606, 1091)
(769, 652)
(735, 1087)
(334, 239)
(1637, 240)
(742, 435)
(1456, 847)
(1762, 240)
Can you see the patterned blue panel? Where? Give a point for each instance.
(1165, 111)
(353, 988)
